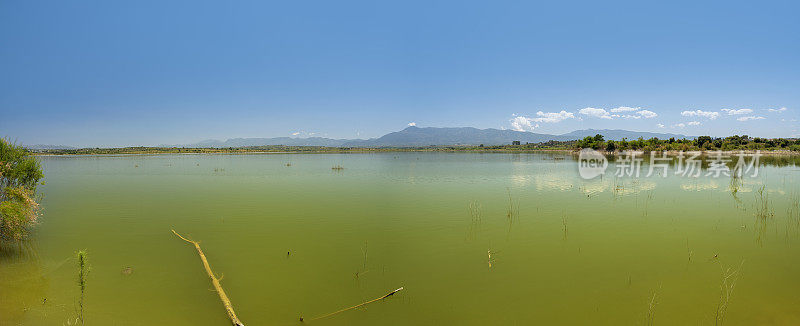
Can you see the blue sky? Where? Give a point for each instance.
(104, 73)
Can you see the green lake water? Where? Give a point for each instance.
(607, 251)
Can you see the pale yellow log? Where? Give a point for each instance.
(215, 282)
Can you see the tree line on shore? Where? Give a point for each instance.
(702, 143)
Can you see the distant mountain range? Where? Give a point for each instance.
(415, 137)
(288, 141)
(45, 146)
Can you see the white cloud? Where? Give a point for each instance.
(412, 124)
(700, 113)
(635, 113)
(624, 109)
(523, 123)
(777, 110)
(647, 114)
(552, 117)
(737, 112)
(303, 133)
(661, 126)
(520, 123)
(684, 125)
(593, 112)
(751, 117)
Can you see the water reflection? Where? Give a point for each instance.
(476, 220)
(594, 187)
(520, 180)
(628, 187)
(700, 185)
(553, 182)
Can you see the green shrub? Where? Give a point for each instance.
(19, 174)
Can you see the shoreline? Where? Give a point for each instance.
(246, 151)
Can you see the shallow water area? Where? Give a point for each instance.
(474, 239)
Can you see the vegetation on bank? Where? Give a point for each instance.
(19, 174)
(702, 143)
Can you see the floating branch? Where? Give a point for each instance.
(356, 306)
(215, 281)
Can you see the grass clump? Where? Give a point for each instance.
(729, 278)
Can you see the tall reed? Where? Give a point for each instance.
(511, 213)
(764, 213)
(513, 208)
(735, 185)
(650, 317)
(83, 273)
(793, 214)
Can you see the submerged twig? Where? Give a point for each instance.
(650, 318)
(513, 210)
(215, 281)
(356, 306)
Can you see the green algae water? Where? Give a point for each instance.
(474, 239)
